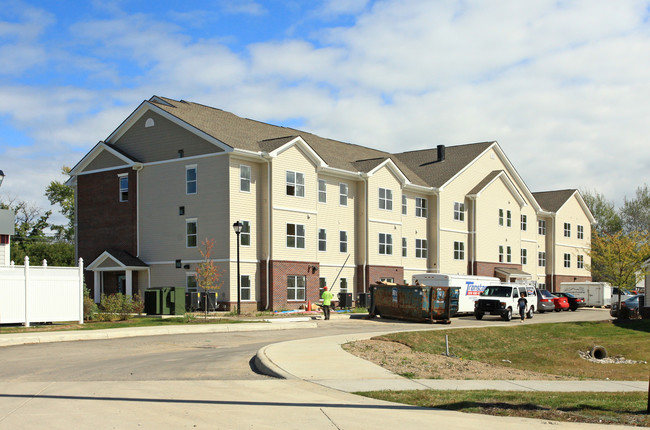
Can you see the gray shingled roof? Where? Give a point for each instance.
(552, 201)
(479, 187)
(125, 258)
(420, 167)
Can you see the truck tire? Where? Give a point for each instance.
(508, 315)
(573, 308)
(478, 315)
(530, 313)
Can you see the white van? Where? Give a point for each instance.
(502, 300)
(470, 286)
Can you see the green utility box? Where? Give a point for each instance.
(165, 301)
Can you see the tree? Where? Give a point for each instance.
(607, 218)
(617, 258)
(208, 276)
(635, 213)
(63, 195)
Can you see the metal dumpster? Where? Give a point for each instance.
(414, 303)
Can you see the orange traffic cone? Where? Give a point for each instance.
(309, 305)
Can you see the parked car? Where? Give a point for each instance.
(545, 301)
(561, 303)
(631, 305)
(574, 302)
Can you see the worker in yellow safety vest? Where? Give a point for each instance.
(327, 302)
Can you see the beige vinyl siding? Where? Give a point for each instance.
(246, 206)
(387, 222)
(104, 160)
(386, 180)
(161, 190)
(162, 141)
(571, 212)
(246, 268)
(416, 228)
(349, 272)
(333, 218)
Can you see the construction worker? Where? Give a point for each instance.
(327, 302)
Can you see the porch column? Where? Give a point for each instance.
(97, 285)
(129, 282)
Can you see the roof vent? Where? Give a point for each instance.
(441, 152)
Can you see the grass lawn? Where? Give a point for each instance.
(603, 408)
(547, 348)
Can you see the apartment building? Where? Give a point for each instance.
(314, 210)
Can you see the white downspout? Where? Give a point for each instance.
(268, 230)
(365, 258)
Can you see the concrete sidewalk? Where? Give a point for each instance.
(324, 362)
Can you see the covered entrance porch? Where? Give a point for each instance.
(113, 272)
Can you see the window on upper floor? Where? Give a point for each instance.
(580, 262)
(508, 254)
(244, 178)
(191, 233)
(567, 260)
(421, 249)
(295, 236)
(581, 232)
(459, 211)
(295, 184)
(245, 235)
(343, 241)
(343, 194)
(541, 227)
(385, 244)
(541, 259)
(322, 239)
(501, 217)
(524, 222)
(501, 254)
(567, 229)
(524, 256)
(245, 287)
(322, 191)
(508, 219)
(385, 199)
(190, 180)
(124, 187)
(459, 250)
(404, 247)
(420, 207)
(404, 205)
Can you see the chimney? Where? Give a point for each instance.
(441, 152)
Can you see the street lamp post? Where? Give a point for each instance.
(238, 227)
(2, 177)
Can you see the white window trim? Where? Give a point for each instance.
(386, 200)
(250, 178)
(347, 241)
(305, 288)
(190, 221)
(347, 194)
(424, 208)
(295, 184)
(119, 179)
(459, 250)
(460, 212)
(322, 192)
(251, 290)
(296, 236)
(421, 248)
(250, 234)
(322, 240)
(196, 180)
(405, 209)
(386, 244)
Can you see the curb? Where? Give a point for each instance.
(116, 333)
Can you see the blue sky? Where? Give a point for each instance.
(563, 86)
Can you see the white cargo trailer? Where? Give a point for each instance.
(470, 286)
(593, 293)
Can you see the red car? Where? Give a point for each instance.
(561, 303)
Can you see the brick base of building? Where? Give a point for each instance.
(279, 271)
(483, 268)
(558, 279)
(376, 273)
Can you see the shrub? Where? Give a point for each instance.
(90, 307)
(118, 307)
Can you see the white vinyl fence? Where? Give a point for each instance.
(41, 294)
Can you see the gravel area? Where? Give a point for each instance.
(402, 360)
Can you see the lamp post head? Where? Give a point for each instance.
(237, 227)
(2, 176)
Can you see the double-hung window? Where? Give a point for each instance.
(385, 244)
(343, 241)
(245, 235)
(459, 211)
(508, 254)
(322, 239)
(420, 207)
(524, 222)
(541, 259)
(245, 287)
(567, 229)
(541, 227)
(343, 194)
(580, 262)
(385, 199)
(244, 178)
(459, 250)
(190, 282)
(404, 247)
(190, 179)
(404, 205)
(295, 236)
(501, 222)
(296, 287)
(421, 249)
(567, 260)
(581, 232)
(322, 191)
(501, 254)
(191, 233)
(343, 286)
(295, 184)
(508, 219)
(124, 187)
(524, 256)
